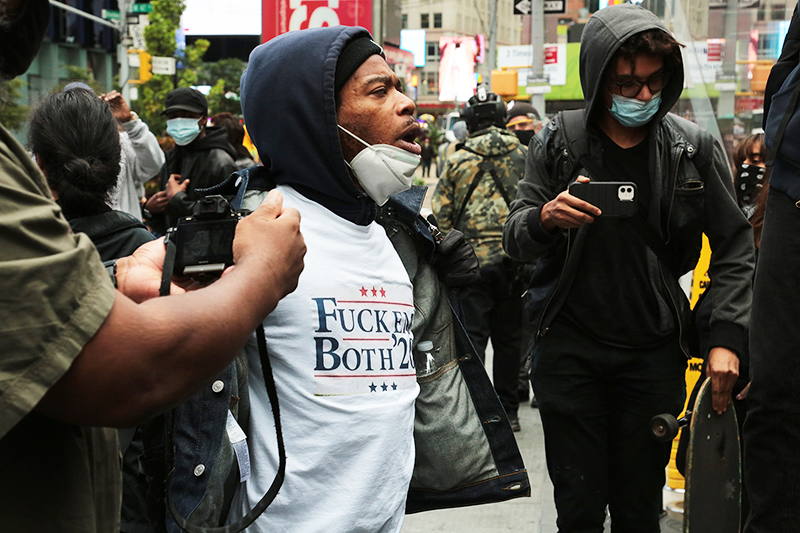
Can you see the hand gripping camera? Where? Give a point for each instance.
(204, 241)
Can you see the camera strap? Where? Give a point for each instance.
(272, 393)
(169, 265)
(277, 482)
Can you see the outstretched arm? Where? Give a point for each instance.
(123, 376)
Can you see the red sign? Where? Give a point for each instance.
(715, 49)
(749, 103)
(280, 16)
(550, 55)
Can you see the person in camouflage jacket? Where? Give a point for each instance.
(473, 195)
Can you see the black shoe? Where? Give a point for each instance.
(534, 402)
(513, 418)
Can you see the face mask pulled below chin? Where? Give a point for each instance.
(382, 170)
(634, 113)
(183, 130)
(21, 39)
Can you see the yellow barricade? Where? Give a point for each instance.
(700, 281)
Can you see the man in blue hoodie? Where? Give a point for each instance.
(333, 127)
(611, 319)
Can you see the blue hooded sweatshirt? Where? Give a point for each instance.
(289, 107)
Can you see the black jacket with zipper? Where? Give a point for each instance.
(691, 194)
(689, 198)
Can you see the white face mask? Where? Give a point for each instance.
(382, 169)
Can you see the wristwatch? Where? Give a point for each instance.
(111, 268)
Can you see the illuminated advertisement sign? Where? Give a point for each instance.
(414, 41)
(280, 16)
(212, 17)
(457, 68)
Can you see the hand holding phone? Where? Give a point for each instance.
(613, 198)
(567, 211)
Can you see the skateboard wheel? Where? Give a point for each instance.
(664, 427)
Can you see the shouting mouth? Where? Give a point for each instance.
(406, 142)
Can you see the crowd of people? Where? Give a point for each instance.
(363, 390)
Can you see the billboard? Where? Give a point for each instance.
(519, 56)
(457, 68)
(414, 41)
(212, 17)
(280, 16)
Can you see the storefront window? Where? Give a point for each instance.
(730, 49)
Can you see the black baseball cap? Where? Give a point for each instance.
(186, 99)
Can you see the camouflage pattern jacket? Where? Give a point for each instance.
(486, 209)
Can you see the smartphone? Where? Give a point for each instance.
(613, 198)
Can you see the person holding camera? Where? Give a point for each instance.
(474, 196)
(73, 354)
(610, 318)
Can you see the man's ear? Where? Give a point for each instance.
(202, 121)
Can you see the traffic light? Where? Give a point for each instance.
(504, 82)
(145, 67)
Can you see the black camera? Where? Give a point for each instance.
(204, 241)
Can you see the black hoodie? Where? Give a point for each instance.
(289, 107)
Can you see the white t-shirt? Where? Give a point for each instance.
(340, 349)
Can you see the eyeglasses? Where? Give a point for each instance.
(631, 88)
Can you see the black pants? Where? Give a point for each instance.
(596, 402)
(772, 427)
(491, 311)
(426, 168)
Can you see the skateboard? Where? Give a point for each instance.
(713, 465)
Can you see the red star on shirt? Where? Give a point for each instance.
(363, 291)
(374, 291)
(383, 293)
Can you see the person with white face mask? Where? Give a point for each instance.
(202, 157)
(336, 142)
(337, 138)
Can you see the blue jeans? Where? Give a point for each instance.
(772, 427)
(596, 402)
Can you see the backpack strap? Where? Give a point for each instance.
(472, 187)
(486, 165)
(575, 136)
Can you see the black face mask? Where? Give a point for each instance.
(20, 40)
(525, 136)
(749, 181)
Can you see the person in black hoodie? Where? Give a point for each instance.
(74, 138)
(202, 158)
(610, 344)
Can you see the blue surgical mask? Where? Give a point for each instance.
(183, 130)
(633, 113)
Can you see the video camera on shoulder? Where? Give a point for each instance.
(204, 241)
